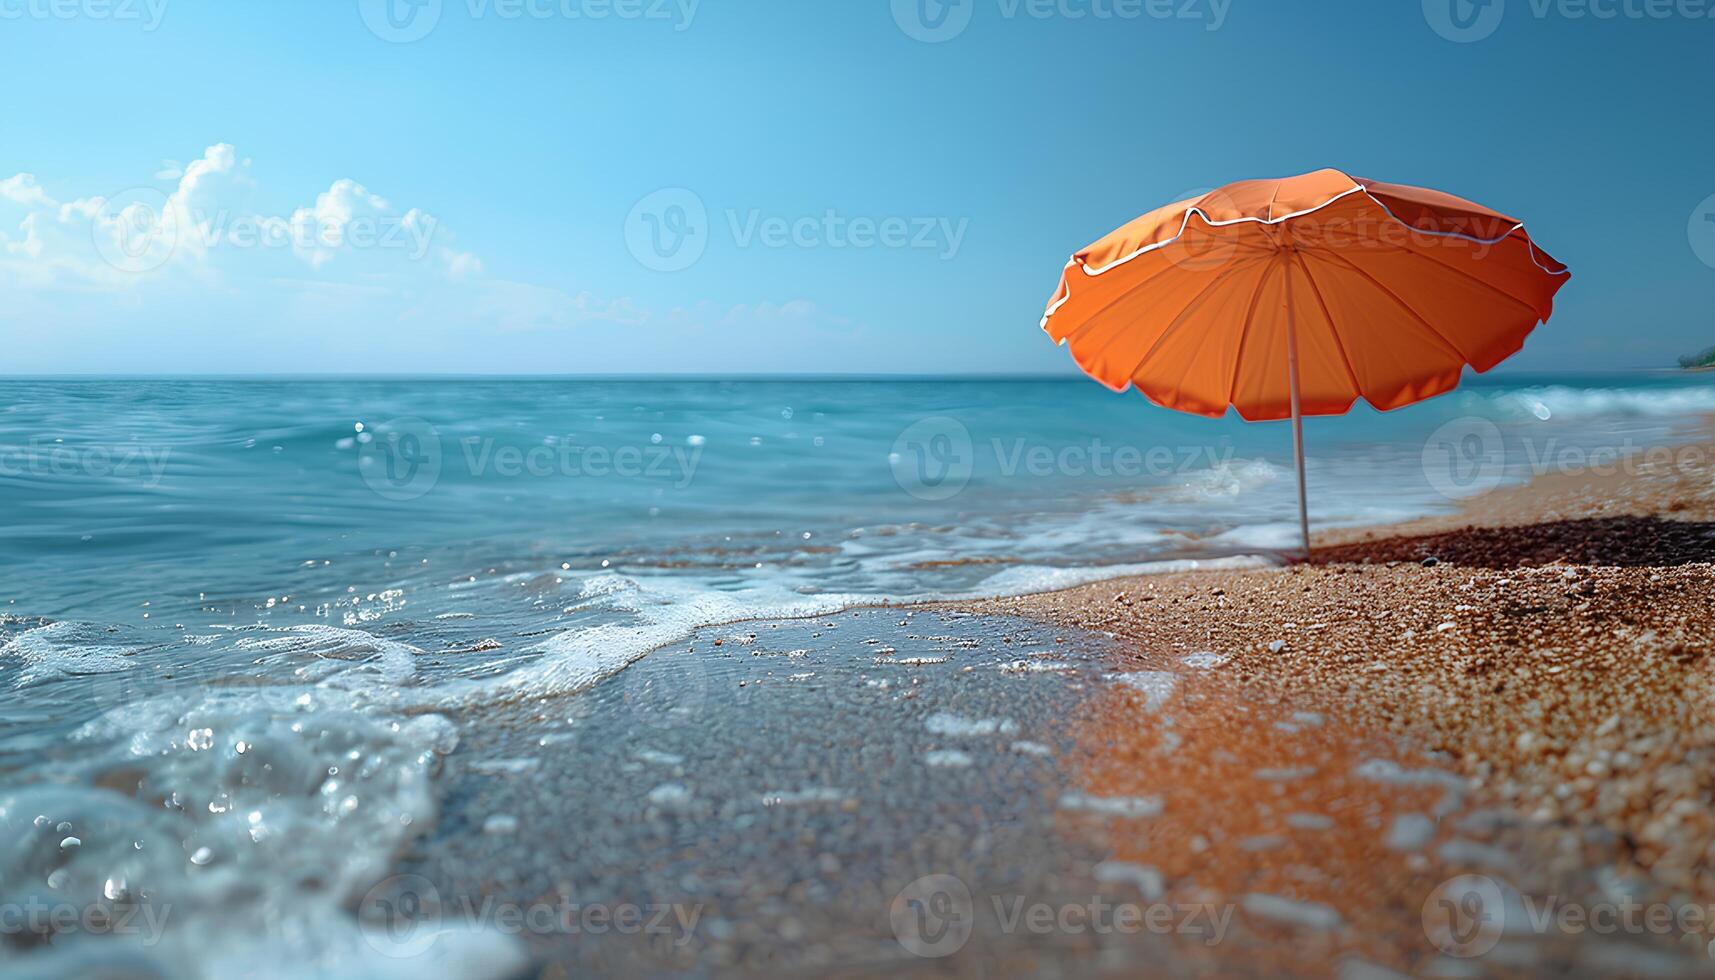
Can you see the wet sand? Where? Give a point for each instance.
(804, 791)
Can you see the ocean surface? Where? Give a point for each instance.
(238, 619)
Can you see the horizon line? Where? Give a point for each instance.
(783, 376)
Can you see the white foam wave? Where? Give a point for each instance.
(332, 650)
(1227, 480)
(661, 611)
(1271, 536)
(1561, 402)
(254, 817)
(1031, 579)
(65, 649)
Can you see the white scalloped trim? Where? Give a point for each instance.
(1357, 188)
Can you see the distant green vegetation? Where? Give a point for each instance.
(1703, 360)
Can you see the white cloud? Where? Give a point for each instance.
(461, 265)
(793, 313)
(320, 231)
(205, 226)
(23, 189)
(186, 271)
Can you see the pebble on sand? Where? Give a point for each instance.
(1410, 832)
(947, 759)
(1112, 806)
(1286, 911)
(1150, 882)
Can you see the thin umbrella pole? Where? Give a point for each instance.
(1297, 413)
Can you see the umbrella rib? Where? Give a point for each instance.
(1463, 274)
(1254, 246)
(1245, 331)
(1333, 328)
(1236, 242)
(1072, 338)
(1402, 304)
(1122, 297)
(1178, 321)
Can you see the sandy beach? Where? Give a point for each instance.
(1548, 646)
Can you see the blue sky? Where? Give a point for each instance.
(469, 200)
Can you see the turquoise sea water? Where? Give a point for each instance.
(332, 569)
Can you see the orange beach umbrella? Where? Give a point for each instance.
(1298, 296)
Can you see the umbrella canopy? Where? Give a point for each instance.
(1298, 296)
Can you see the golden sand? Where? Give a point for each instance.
(1534, 673)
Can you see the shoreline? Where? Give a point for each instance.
(1302, 750)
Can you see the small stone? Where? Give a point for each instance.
(1410, 832)
(1287, 911)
